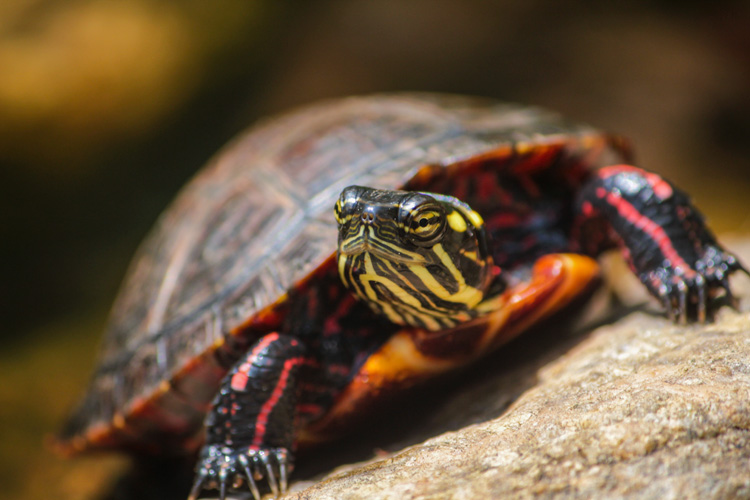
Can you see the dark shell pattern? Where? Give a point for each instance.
(258, 219)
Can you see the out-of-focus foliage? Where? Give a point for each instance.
(81, 76)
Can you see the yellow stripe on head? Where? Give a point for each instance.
(457, 222)
(475, 219)
(419, 259)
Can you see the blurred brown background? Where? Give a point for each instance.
(108, 107)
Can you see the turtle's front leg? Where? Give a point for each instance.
(251, 425)
(663, 237)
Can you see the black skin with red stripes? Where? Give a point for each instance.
(664, 238)
(292, 377)
(282, 381)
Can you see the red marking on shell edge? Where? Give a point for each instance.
(268, 406)
(239, 379)
(538, 159)
(652, 229)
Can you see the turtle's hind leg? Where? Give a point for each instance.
(662, 235)
(251, 425)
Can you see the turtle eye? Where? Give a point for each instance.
(425, 225)
(346, 204)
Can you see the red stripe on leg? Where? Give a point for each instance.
(239, 379)
(653, 230)
(267, 408)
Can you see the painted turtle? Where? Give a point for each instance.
(459, 221)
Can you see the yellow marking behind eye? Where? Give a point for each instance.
(456, 222)
(476, 219)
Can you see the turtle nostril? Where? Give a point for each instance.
(368, 218)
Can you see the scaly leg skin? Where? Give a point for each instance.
(250, 427)
(663, 237)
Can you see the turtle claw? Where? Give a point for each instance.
(682, 294)
(249, 476)
(734, 264)
(273, 460)
(687, 293)
(284, 472)
(700, 283)
(230, 470)
(197, 486)
(223, 483)
(271, 476)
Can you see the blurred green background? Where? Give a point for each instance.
(107, 107)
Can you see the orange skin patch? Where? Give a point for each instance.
(407, 359)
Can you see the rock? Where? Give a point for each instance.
(639, 408)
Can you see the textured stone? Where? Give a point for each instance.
(639, 408)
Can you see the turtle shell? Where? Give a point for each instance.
(257, 221)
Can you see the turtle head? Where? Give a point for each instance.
(421, 259)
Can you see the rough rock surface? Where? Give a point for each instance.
(638, 408)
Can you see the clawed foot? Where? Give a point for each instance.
(228, 469)
(686, 293)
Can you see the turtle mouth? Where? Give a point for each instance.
(366, 243)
